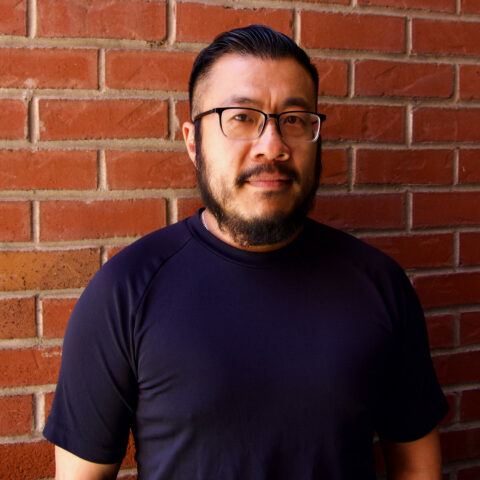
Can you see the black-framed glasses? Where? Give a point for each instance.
(242, 123)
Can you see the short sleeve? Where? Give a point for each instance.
(412, 402)
(95, 396)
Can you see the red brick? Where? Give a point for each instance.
(29, 366)
(470, 6)
(450, 415)
(127, 170)
(449, 289)
(360, 211)
(48, 68)
(470, 405)
(48, 170)
(352, 32)
(188, 206)
(74, 220)
(55, 313)
(27, 460)
(96, 119)
(182, 112)
(445, 37)
(129, 459)
(48, 403)
(18, 318)
(13, 120)
(148, 70)
(470, 82)
(472, 473)
(446, 208)
(446, 124)
(363, 122)
(470, 248)
(440, 331)
(468, 170)
(332, 76)
(470, 328)
(334, 167)
(112, 251)
(435, 5)
(400, 79)
(15, 223)
(129, 19)
(12, 17)
(404, 166)
(460, 445)
(47, 269)
(416, 251)
(456, 368)
(16, 415)
(201, 23)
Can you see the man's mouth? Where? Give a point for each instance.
(265, 176)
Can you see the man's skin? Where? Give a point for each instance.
(273, 86)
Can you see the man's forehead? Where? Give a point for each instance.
(242, 79)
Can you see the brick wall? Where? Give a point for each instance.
(92, 96)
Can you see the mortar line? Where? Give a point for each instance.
(456, 250)
(38, 316)
(352, 167)
(101, 70)
(456, 329)
(408, 36)
(351, 78)
(36, 222)
(456, 83)
(296, 26)
(173, 122)
(408, 211)
(101, 171)
(171, 22)
(39, 411)
(456, 166)
(408, 125)
(33, 120)
(31, 18)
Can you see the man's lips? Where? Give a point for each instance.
(269, 181)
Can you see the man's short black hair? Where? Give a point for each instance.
(257, 40)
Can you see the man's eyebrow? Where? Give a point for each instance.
(297, 102)
(289, 102)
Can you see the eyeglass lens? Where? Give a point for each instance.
(248, 124)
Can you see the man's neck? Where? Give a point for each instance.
(211, 224)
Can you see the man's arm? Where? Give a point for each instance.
(70, 467)
(417, 460)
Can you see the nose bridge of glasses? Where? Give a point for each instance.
(275, 118)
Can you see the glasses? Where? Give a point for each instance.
(249, 123)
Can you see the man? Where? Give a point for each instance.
(248, 342)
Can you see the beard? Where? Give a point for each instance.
(260, 231)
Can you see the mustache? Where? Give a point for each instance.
(280, 168)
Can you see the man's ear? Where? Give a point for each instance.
(188, 129)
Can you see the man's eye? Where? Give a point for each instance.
(292, 119)
(242, 117)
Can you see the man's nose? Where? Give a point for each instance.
(270, 145)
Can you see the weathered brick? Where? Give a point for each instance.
(448, 289)
(15, 221)
(148, 70)
(17, 318)
(470, 82)
(188, 206)
(445, 208)
(29, 366)
(434, 5)
(16, 415)
(47, 269)
(470, 248)
(470, 405)
(440, 331)
(400, 79)
(404, 166)
(13, 120)
(97, 119)
(48, 170)
(27, 460)
(468, 171)
(460, 445)
(445, 37)
(416, 251)
(470, 328)
(352, 32)
(462, 367)
(449, 417)
(356, 211)
(363, 122)
(73, 220)
(13, 17)
(446, 124)
(48, 68)
(217, 19)
(470, 6)
(129, 19)
(332, 76)
(55, 315)
(130, 169)
(334, 167)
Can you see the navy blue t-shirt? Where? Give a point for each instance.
(234, 365)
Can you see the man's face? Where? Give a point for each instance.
(259, 190)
